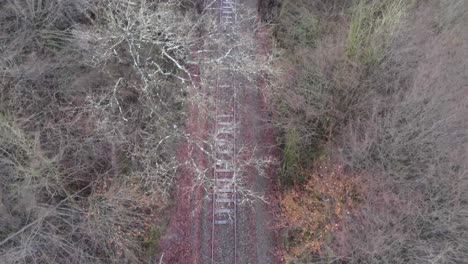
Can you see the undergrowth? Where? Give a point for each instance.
(380, 88)
(91, 104)
(316, 210)
(372, 28)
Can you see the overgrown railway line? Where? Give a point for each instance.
(225, 170)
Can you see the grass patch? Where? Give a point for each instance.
(372, 28)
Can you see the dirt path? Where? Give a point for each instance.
(222, 219)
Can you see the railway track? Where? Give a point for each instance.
(225, 170)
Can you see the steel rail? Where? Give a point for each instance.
(234, 196)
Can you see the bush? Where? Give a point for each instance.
(386, 96)
(91, 100)
(415, 145)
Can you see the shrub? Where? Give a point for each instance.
(386, 96)
(92, 97)
(415, 145)
(296, 26)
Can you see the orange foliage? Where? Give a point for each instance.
(313, 212)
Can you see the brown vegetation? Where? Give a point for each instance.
(316, 211)
(381, 86)
(90, 108)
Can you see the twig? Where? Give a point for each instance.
(41, 218)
